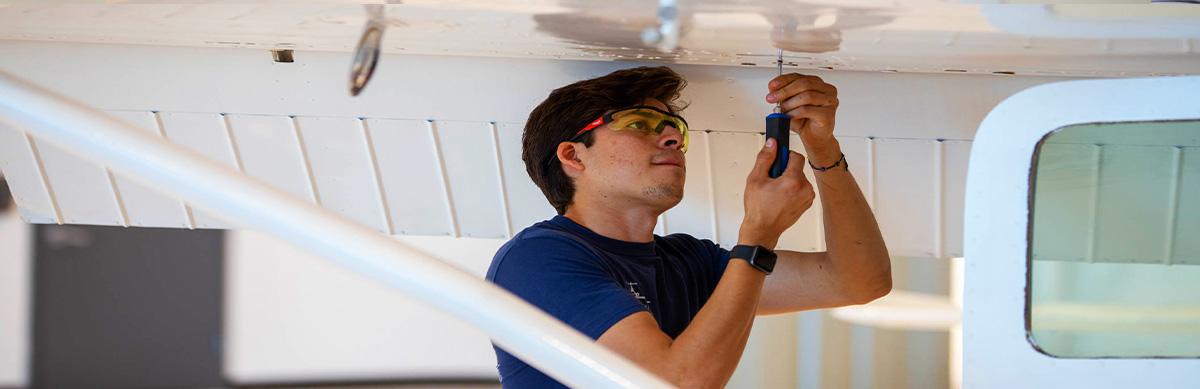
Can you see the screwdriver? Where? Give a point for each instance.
(778, 128)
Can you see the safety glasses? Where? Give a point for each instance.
(642, 118)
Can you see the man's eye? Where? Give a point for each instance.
(638, 125)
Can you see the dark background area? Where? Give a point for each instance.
(5, 195)
(118, 307)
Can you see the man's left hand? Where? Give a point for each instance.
(812, 104)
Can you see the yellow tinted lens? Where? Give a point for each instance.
(648, 122)
(638, 120)
(683, 130)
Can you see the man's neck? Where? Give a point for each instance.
(630, 224)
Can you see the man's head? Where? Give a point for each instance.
(625, 166)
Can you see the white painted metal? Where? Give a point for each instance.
(408, 179)
(503, 192)
(1129, 20)
(526, 331)
(526, 204)
(342, 168)
(873, 35)
(83, 191)
(205, 134)
(407, 165)
(269, 152)
(995, 338)
(440, 159)
(695, 212)
(377, 178)
(954, 183)
(906, 172)
(468, 149)
(23, 171)
(808, 232)
(409, 174)
(732, 157)
(144, 206)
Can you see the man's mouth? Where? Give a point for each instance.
(669, 162)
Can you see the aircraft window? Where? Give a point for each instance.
(1115, 237)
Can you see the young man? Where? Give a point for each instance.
(609, 155)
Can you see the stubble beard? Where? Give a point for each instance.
(664, 193)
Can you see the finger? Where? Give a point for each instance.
(781, 80)
(800, 84)
(819, 118)
(809, 98)
(762, 162)
(795, 166)
(785, 79)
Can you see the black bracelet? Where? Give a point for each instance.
(840, 161)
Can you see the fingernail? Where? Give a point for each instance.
(771, 143)
(770, 97)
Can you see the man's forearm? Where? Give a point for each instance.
(852, 236)
(708, 351)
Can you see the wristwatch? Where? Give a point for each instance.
(760, 257)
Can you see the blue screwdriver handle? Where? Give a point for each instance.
(779, 128)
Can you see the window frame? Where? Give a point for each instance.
(998, 233)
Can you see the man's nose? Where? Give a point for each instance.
(671, 138)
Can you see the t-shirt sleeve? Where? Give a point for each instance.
(567, 281)
(718, 257)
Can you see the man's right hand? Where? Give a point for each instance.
(774, 204)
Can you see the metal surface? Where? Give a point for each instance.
(529, 333)
(996, 337)
(868, 35)
(366, 54)
(779, 69)
(396, 179)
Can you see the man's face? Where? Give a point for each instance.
(635, 168)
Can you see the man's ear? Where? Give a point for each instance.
(568, 156)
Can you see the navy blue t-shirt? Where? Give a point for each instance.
(591, 282)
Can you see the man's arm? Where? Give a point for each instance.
(856, 268)
(708, 350)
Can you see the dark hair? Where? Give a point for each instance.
(568, 109)
(5, 195)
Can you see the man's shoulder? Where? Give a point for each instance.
(544, 236)
(539, 246)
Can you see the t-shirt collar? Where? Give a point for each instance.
(608, 244)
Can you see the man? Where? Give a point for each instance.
(608, 153)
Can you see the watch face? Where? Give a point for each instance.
(759, 257)
(767, 259)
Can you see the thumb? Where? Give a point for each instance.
(762, 163)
